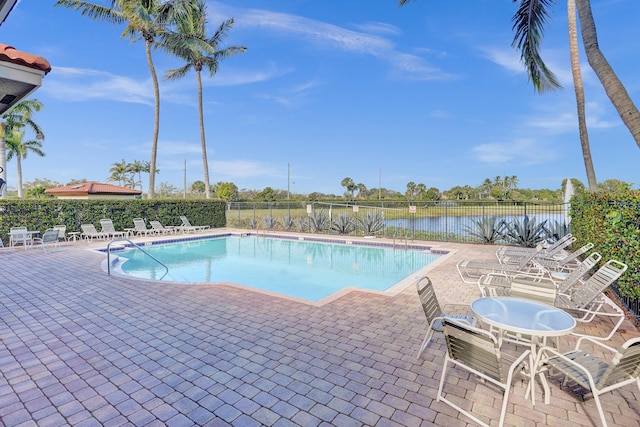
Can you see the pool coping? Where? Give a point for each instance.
(400, 286)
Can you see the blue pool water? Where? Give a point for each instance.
(299, 268)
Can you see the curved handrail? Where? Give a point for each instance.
(137, 247)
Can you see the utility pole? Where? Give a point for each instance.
(184, 191)
(288, 181)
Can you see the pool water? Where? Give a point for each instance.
(298, 268)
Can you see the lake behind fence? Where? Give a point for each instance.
(446, 221)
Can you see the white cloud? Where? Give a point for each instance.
(78, 84)
(378, 27)
(334, 37)
(518, 152)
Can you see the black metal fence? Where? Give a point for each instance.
(443, 221)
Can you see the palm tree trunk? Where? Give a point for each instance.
(156, 122)
(579, 89)
(205, 162)
(612, 85)
(19, 172)
(3, 160)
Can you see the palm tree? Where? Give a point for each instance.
(19, 149)
(530, 18)
(16, 119)
(120, 172)
(137, 167)
(146, 19)
(579, 89)
(529, 22)
(190, 43)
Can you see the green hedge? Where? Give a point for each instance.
(612, 222)
(39, 215)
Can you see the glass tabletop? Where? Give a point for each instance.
(519, 315)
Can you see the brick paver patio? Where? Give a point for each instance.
(85, 349)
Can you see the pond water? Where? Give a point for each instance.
(459, 224)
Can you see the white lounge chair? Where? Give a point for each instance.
(471, 270)
(188, 228)
(89, 232)
(109, 229)
(585, 299)
(544, 249)
(140, 227)
(161, 229)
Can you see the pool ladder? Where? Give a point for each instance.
(166, 269)
(404, 237)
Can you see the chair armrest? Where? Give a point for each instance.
(593, 341)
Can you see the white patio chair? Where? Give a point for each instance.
(50, 237)
(434, 313)
(581, 372)
(20, 236)
(477, 351)
(62, 232)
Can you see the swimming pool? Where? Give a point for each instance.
(300, 268)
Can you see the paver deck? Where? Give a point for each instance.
(85, 349)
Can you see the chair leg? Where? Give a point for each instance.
(600, 411)
(425, 342)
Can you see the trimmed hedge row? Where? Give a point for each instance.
(612, 222)
(42, 214)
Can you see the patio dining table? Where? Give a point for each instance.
(525, 317)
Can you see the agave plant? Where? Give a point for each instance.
(319, 220)
(372, 222)
(558, 230)
(302, 223)
(526, 232)
(253, 224)
(269, 222)
(343, 224)
(287, 223)
(488, 229)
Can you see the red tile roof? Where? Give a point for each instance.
(11, 54)
(84, 189)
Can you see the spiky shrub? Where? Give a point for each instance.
(526, 232)
(287, 223)
(489, 229)
(253, 224)
(269, 222)
(343, 224)
(302, 223)
(371, 223)
(557, 230)
(319, 220)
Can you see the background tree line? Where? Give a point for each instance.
(499, 189)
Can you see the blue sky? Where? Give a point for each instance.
(431, 93)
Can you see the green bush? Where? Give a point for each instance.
(40, 214)
(611, 220)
